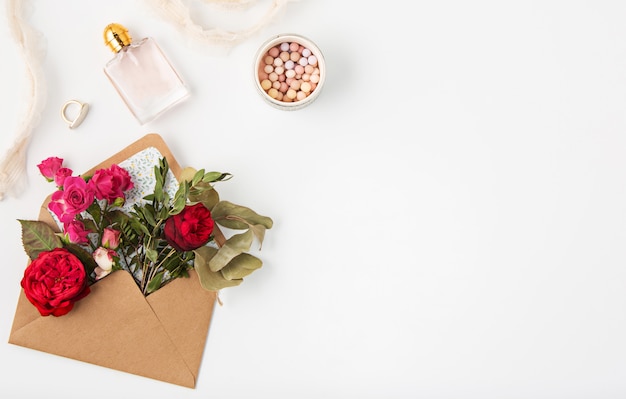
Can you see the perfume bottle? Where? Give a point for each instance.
(142, 75)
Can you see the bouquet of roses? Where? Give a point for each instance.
(156, 239)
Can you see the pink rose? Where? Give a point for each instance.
(60, 175)
(105, 258)
(111, 238)
(76, 232)
(49, 167)
(110, 184)
(75, 198)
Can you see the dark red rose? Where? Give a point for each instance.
(54, 281)
(190, 229)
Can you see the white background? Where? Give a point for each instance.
(449, 214)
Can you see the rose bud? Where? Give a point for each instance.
(111, 238)
(49, 167)
(105, 259)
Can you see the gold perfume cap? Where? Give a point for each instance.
(116, 37)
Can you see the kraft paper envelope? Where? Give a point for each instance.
(161, 336)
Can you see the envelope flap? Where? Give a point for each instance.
(185, 311)
(112, 327)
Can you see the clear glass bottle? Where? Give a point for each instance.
(142, 75)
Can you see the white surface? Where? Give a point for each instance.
(449, 214)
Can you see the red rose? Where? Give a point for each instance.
(54, 281)
(190, 229)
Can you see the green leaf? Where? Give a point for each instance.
(152, 255)
(232, 247)
(85, 257)
(216, 176)
(38, 237)
(241, 266)
(115, 216)
(238, 217)
(89, 224)
(155, 283)
(197, 177)
(160, 172)
(210, 280)
(180, 198)
(148, 216)
(140, 228)
(95, 211)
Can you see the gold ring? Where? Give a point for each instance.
(82, 113)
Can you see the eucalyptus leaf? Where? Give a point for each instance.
(235, 245)
(224, 211)
(187, 174)
(259, 232)
(38, 237)
(204, 193)
(210, 280)
(241, 266)
(204, 254)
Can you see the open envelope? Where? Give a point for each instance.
(161, 336)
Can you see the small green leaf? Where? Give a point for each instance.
(115, 216)
(140, 228)
(89, 224)
(241, 266)
(155, 283)
(38, 237)
(238, 217)
(210, 280)
(95, 211)
(180, 198)
(152, 255)
(148, 216)
(216, 176)
(197, 177)
(85, 257)
(232, 247)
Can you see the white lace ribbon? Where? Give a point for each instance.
(178, 13)
(13, 176)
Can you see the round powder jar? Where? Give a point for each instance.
(289, 71)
